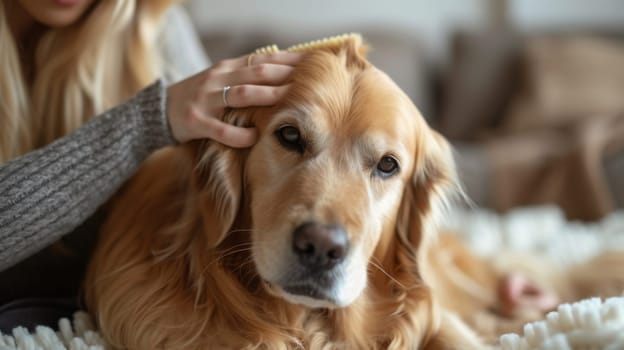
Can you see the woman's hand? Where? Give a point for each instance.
(196, 104)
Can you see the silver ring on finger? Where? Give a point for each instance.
(226, 89)
(250, 60)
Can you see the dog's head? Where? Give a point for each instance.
(345, 171)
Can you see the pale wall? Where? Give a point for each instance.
(430, 21)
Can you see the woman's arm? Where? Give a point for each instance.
(48, 192)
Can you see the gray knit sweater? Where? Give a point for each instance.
(49, 192)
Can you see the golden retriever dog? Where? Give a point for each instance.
(320, 236)
(314, 238)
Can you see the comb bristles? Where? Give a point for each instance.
(268, 49)
(325, 43)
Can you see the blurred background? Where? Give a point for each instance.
(530, 92)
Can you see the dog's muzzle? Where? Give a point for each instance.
(318, 251)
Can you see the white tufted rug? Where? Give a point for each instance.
(79, 334)
(587, 324)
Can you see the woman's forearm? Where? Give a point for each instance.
(49, 192)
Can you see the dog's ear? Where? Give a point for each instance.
(218, 186)
(431, 189)
(218, 180)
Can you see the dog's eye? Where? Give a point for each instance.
(290, 137)
(387, 167)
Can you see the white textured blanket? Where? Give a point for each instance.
(587, 324)
(79, 334)
(538, 230)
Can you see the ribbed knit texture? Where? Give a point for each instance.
(49, 192)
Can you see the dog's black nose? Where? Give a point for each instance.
(320, 247)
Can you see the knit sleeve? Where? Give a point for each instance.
(49, 192)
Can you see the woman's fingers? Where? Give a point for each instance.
(196, 105)
(240, 96)
(251, 95)
(224, 133)
(282, 57)
(261, 74)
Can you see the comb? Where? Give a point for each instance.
(325, 43)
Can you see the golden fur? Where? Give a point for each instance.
(184, 258)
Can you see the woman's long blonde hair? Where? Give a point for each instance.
(79, 71)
